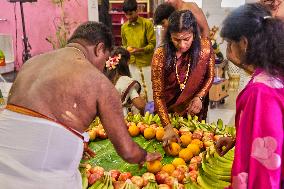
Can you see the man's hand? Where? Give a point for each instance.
(224, 144)
(132, 50)
(88, 151)
(151, 157)
(169, 136)
(194, 106)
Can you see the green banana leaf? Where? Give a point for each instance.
(107, 157)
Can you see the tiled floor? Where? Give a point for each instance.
(225, 111)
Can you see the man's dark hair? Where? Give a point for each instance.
(129, 5)
(163, 11)
(93, 33)
(265, 36)
(180, 21)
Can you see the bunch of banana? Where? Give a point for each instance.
(104, 183)
(84, 181)
(215, 171)
(129, 185)
(191, 185)
(151, 185)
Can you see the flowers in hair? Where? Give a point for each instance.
(113, 61)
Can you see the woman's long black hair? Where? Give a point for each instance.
(180, 21)
(265, 36)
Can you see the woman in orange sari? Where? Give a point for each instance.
(182, 71)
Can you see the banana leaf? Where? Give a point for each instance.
(107, 157)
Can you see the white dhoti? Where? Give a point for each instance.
(36, 153)
(143, 76)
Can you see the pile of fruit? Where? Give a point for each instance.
(191, 164)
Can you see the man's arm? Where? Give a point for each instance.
(151, 38)
(110, 113)
(200, 18)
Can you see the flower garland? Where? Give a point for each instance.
(113, 61)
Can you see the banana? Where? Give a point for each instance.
(84, 181)
(208, 182)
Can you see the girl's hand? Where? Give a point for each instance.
(224, 144)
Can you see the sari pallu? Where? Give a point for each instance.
(167, 95)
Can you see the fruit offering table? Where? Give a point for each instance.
(189, 165)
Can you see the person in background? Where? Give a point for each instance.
(196, 11)
(119, 74)
(256, 38)
(276, 7)
(55, 97)
(138, 38)
(162, 14)
(182, 71)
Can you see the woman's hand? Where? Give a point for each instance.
(224, 144)
(194, 106)
(169, 136)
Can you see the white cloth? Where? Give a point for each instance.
(135, 74)
(37, 154)
(121, 85)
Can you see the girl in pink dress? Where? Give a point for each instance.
(256, 42)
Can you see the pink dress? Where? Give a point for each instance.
(259, 148)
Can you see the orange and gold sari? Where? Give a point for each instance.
(168, 97)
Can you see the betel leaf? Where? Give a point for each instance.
(107, 157)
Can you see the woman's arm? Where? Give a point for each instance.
(158, 86)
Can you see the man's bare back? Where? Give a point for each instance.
(62, 85)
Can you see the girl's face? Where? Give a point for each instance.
(182, 40)
(235, 52)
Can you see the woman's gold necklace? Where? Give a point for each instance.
(182, 84)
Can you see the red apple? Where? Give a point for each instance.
(124, 176)
(182, 168)
(97, 169)
(138, 181)
(192, 166)
(184, 130)
(170, 181)
(161, 177)
(179, 175)
(114, 174)
(93, 178)
(118, 184)
(193, 175)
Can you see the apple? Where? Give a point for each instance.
(114, 174)
(178, 174)
(138, 181)
(97, 169)
(118, 184)
(161, 177)
(124, 176)
(93, 178)
(170, 181)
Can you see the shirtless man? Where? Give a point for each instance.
(197, 12)
(52, 102)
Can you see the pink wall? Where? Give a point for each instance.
(39, 18)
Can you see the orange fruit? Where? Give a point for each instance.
(194, 148)
(169, 168)
(154, 166)
(185, 139)
(186, 154)
(149, 133)
(178, 161)
(198, 142)
(173, 149)
(133, 130)
(160, 133)
(92, 134)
